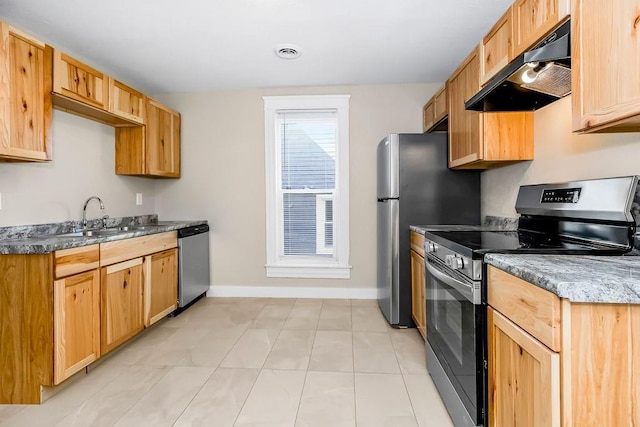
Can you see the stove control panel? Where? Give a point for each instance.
(454, 262)
(561, 195)
(472, 268)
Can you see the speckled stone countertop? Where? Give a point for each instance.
(45, 238)
(491, 223)
(579, 278)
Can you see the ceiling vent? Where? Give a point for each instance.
(288, 51)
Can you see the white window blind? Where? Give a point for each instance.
(307, 186)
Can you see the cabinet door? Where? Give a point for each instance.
(428, 115)
(418, 293)
(162, 141)
(122, 286)
(161, 285)
(524, 377)
(465, 137)
(76, 322)
(533, 19)
(497, 47)
(605, 61)
(126, 102)
(440, 107)
(25, 97)
(78, 81)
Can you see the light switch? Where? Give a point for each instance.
(138, 199)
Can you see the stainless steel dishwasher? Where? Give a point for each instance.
(193, 265)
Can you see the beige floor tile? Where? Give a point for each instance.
(251, 350)
(337, 301)
(332, 351)
(410, 351)
(335, 318)
(164, 403)
(327, 400)
(213, 348)
(303, 317)
(382, 400)
(308, 301)
(364, 303)
(373, 352)
(291, 350)
(8, 411)
(109, 404)
(220, 400)
(274, 399)
(66, 401)
(427, 404)
(368, 319)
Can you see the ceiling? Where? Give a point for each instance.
(202, 45)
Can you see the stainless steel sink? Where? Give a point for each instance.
(88, 233)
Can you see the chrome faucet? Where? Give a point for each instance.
(84, 211)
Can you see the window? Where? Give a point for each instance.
(307, 178)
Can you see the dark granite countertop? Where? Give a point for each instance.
(578, 278)
(491, 223)
(44, 238)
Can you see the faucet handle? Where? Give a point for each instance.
(104, 221)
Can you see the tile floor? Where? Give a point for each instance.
(254, 362)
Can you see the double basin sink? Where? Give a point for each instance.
(97, 232)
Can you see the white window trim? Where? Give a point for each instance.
(321, 214)
(308, 267)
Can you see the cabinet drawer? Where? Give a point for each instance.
(534, 309)
(417, 243)
(76, 260)
(122, 250)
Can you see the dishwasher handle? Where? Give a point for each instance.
(192, 230)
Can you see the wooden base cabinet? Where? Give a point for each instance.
(25, 97)
(76, 309)
(553, 362)
(483, 140)
(160, 285)
(418, 303)
(122, 317)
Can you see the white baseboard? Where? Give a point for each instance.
(291, 292)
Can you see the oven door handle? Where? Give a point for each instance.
(470, 292)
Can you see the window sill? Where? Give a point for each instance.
(309, 272)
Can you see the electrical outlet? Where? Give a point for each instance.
(138, 199)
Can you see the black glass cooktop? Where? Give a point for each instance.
(476, 243)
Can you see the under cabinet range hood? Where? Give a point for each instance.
(532, 80)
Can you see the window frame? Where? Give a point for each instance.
(277, 265)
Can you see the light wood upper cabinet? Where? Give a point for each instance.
(25, 100)
(160, 285)
(418, 302)
(605, 77)
(496, 49)
(483, 140)
(533, 19)
(122, 304)
(76, 323)
(78, 81)
(435, 111)
(154, 150)
(524, 377)
(126, 102)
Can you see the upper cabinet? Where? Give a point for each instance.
(605, 52)
(435, 112)
(497, 47)
(25, 100)
(153, 150)
(533, 19)
(483, 140)
(78, 81)
(126, 102)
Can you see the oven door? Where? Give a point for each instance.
(455, 334)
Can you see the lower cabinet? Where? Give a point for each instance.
(122, 287)
(76, 310)
(418, 302)
(524, 377)
(160, 285)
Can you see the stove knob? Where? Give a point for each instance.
(454, 262)
(431, 247)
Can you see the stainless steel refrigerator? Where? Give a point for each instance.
(415, 187)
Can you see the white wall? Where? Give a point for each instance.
(560, 155)
(83, 165)
(223, 176)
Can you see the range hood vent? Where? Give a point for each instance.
(532, 80)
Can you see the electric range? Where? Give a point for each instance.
(595, 217)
